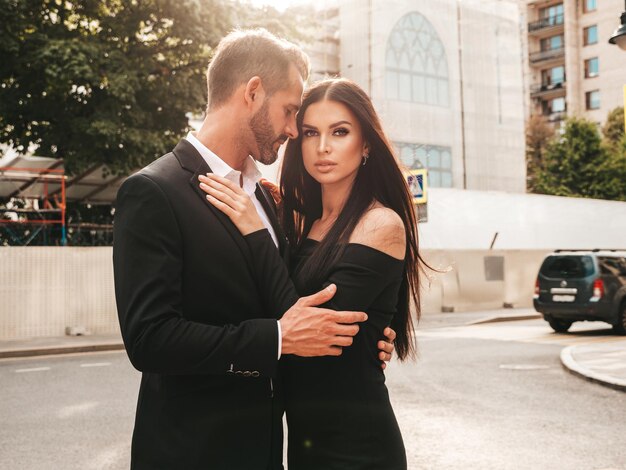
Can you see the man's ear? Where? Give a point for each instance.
(254, 93)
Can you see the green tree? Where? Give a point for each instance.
(613, 129)
(538, 134)
(578, 164)
(104, 81)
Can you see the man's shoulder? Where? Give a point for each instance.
(161, 173)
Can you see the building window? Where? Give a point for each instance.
(592, 68)
(590, 35)
(553, 76)
(592, 99)
(416, 64)
(553, 14)
(554, 106)
(436, 158)
(551, 43)
(589, 5)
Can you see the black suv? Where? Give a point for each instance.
(578, 285)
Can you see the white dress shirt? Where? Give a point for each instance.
(250, 177)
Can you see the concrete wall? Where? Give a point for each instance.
(43, 290)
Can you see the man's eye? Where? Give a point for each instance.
(341, 131)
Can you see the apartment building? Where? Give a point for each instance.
(571, 67)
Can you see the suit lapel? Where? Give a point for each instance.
(193, 162)
(267, 201)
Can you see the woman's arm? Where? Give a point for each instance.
(275, 286)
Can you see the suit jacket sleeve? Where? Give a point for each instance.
(275, 285)
(148, 263)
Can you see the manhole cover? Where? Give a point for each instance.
(523, 367)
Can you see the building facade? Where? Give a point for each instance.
(446, 77)
(571, 69)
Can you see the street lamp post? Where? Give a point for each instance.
(619, 35)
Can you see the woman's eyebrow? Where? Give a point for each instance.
(338, 123)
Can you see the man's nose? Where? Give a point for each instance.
(292, 129)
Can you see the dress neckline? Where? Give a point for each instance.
(360, 245)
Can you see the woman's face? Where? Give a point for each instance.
(332, 143)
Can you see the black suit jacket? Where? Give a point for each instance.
(194, 324)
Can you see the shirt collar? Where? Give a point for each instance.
(250, 171)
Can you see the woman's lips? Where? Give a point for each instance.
(325, 166)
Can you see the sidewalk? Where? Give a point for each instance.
(604, 363)
(59, 345)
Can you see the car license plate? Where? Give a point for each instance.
(563, 298)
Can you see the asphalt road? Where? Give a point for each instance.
(480, 397)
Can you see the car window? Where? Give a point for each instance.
(612, 265)
(567, 267)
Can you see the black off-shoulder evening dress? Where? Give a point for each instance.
(338, 410)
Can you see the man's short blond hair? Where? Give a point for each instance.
(244, 54)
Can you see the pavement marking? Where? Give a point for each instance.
(69, 411)
(32, 369)
(523, 366)
(96, 364)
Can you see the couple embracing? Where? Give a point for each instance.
(237, 310)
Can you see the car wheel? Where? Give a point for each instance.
(558, 325)
(620, 326)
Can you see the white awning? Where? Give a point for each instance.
(34, 177)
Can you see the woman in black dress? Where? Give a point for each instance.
(347, 210)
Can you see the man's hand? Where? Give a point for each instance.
(310, 331)
(386, 347)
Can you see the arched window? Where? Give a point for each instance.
(416, 64)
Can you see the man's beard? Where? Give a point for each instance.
(264, 136)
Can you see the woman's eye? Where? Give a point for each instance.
(309, 133)
(340, 131)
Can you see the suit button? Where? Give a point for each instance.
(247, 373)
(255, 373)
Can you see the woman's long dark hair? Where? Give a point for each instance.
(381, 179)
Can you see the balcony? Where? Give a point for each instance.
(547, 55)
(551, 24)
(557, 117)
(547, 90)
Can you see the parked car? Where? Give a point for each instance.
(582, 285)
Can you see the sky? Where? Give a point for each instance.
(278, 4)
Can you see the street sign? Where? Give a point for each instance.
(418, 185)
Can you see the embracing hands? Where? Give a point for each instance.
(307, 330)
(232, 201)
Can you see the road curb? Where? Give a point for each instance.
(572, 366)
(503, 318)
(59, 350)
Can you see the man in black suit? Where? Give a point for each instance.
(190, 311)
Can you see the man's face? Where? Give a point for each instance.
(275, 121)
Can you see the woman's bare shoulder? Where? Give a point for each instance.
(381, 228)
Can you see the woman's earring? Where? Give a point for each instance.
(365, 157)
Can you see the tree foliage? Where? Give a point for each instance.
(578, 164)
(538, 134)
(613, 129)
(103, 81)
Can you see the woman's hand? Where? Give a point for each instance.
(232, 201)
(386, 347)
